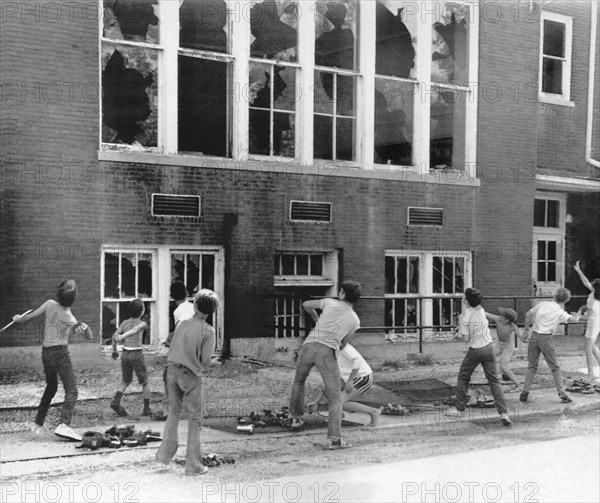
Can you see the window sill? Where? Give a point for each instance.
(319, 168)
(555, 100)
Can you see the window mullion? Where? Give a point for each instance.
(305, 105)
(239, 85)
(472, 95)
(168, 77)
(422, 111)
(365, 92)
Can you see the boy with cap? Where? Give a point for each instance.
(474, 330)
(540, 323)
(506, 331)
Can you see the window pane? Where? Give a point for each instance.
(208, 272)
(109, 321)
(437, 275)
(541, 250)
(111, 275)
(203, 25)
(551, 271)
(388, 311)
(345, 139)
(335, 34)
(345, 95)
(449, 43)
(552, 213)
(145, 275)
(539, 213)
(551, 250)
(413, 275)
(401, 282)
(266, 94)
(192, 273)
(393, 122)
(448, 129)
(177, 267)
(411, 313)
(287, 262)
(128, 271)
(273, 25)
(277, 261)
(131, 20)
(316, 265)
(554, 39)
(459, 280)
(390, 279)
(541, 271)
(395, 36)
(323, 137)
(203, 124)
(129, 95)
(448, 275)
(552, 76)
(147, 317)
(302, 265)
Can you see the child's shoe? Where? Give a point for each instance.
(338, 444)
(505, 419)
(65, 431)
(296, 423)
(116, 406)
(565, 399)
(524, 396)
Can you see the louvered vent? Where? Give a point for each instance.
(426, 216)
(303, 211)
(171, 205)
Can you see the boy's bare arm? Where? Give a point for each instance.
(584, 280)
(17, 318)
(131, 331)
(492, 317)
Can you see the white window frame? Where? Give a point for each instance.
(426, 279)
(565, 97)
(239, 58)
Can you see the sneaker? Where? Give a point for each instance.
(36, 428)
(296, 423)
(339, 444)
(524, 396)
(505, 419)
(65, 431)
(565, 399)
(118, 409)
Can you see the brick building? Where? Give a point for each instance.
(269, 149)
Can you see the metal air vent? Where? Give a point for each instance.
(172, 205)
(304, 211)
(431, 217)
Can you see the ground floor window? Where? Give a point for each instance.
(130, 272)
(424, 289)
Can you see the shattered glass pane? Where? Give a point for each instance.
(208, 272)
(128, 272)
(448, 129)
(401, 275)
(413, 275)
(393, 122)
(395, 40)
(272, 118)
(145, 275)
(129, 95)
(203, 123)
(437, 275)
(203, 25)
(335, 33)
(273, 25)
(192, 273)
(135, 20)
(449, 58)
(111, 275)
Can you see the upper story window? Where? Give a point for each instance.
(381, 84)
(555, 58)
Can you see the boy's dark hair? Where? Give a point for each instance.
(206, 301)
(473, 297)
(178, 291)
(352, 290)
(135, 308)
(66, 293)
(596, 287)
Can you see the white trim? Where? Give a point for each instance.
(565, 97)
(591, 84)
(549, 234)
(566, 183)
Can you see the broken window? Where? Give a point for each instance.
(448, 278)
(401, 277)
(129, 95)
(273, 25)
(204, 25)
(393, 121)
(204, 119)
(126, 276)
(272, 101)
(448, 129)
(395, 40)
(449, 57)
(135, 20)
(335, 48)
